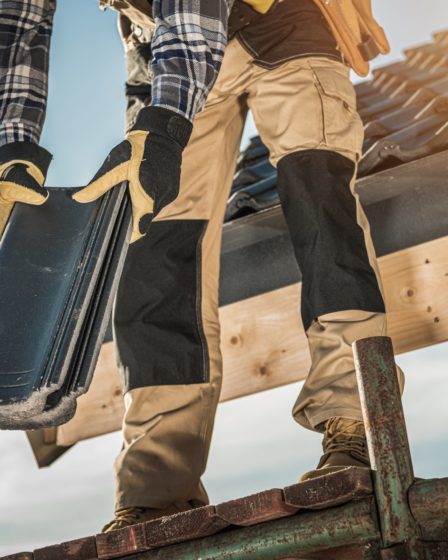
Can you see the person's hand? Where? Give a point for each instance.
(23, 169)
(150, 161)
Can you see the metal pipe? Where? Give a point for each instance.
(387, 438)
(428, 500)
(290, 537)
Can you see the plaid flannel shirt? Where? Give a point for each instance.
(187, 47)
(25, 33)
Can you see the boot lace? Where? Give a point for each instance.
(125, 517)
(346, 436)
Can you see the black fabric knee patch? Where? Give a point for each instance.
(157, 319)
(320, 210)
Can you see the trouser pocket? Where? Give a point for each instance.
(341, 125)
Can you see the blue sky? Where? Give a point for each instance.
(256, 445)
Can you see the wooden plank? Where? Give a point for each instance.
(122, 542)
(264, 345)
(330, 490)
(160, 532)
(44, 447)
(101, 410)
(19, 556)
(185, 526)
(79, 549)
(257, 508)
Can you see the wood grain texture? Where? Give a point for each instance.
(264, 345)
(79, 549)
(19, 556)
(257, 508)
(122, 542)
(182, 527)
(330, 490)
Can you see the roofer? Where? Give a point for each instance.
(289, 63)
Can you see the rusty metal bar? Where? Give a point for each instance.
(428, 500)
(387, 439)
(290, 537)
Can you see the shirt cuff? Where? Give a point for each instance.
(178, 94)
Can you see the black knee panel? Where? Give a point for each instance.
(330, 247)
(157, 318)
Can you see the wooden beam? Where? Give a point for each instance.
(264, 345)
(101, 409)
(44, 446)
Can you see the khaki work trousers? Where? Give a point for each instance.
(305, 104)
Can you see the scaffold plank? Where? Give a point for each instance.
(330, 490)
(257, 508)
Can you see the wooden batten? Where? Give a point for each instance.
(264, 345)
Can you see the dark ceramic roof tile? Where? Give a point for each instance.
(389, 104)
(253, 173)
(389, 123)
(422, 138)
(65, 292)
(253, 153)
(259, 196)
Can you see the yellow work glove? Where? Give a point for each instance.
(149, 160)
(23, 169)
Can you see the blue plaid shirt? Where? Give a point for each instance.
(25, 33)
(187, 47)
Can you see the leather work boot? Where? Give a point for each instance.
(133, 515)
(344, 445)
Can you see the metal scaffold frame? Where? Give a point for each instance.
(355, 514)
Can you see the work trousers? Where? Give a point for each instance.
(166, 317)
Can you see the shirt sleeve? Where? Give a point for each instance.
(188, 47)
(26, 27)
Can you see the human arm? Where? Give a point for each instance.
(187, 48)
(24, 44)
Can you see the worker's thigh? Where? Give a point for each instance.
(304, 104)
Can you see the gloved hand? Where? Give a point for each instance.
(150, 160)
(23, 169)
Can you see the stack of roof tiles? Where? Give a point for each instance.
(404, 108)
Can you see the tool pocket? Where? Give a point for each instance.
(341, 125)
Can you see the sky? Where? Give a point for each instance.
(256, 444)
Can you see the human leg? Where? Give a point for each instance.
(166, 323)
(315, 140)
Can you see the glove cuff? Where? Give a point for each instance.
(165, 123)
(26, 151)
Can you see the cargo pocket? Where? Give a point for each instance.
(341, 124)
